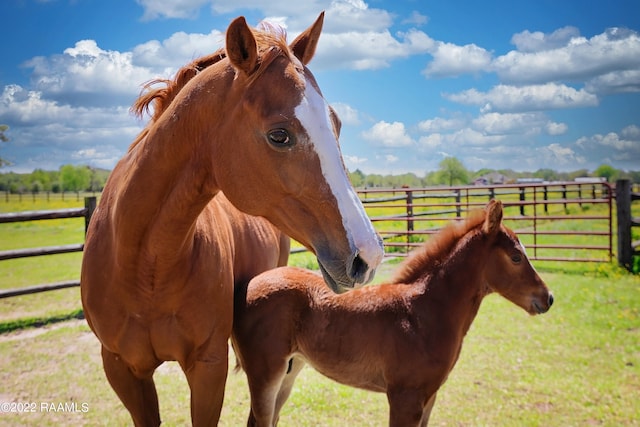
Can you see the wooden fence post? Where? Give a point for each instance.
(623, 208)
(90, 206)
(409, 219)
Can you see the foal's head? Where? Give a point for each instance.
(508, 270)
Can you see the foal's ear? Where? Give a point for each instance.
(494, 217)
(241, 46)
(304, 46)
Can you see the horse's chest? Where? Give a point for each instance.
(149, 327)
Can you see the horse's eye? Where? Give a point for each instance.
(280, 138)
(516, 258)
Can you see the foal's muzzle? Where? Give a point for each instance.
(543, 308)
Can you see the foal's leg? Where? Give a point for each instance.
(137, 394)
(295, 366)
(266, 376)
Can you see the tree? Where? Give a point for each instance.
(4, 138)
(607, 171)
(452, 172)
(546, 174)
(357, 178)
(75, 178)
(43, 178)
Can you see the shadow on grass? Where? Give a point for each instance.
(36, 322)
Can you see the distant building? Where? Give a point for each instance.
(529, 180)
(590, 179)
(490, 178)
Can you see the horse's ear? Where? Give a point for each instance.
(304, 46)
(494, 217)
(241, 46)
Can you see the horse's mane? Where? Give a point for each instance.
(159, 93)
(436, 250)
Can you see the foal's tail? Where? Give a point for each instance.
(238, 366)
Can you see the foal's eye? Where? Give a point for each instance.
(279, 138)
(516, 258)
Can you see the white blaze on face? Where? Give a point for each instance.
(524, 249)
(313, 114)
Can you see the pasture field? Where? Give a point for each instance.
(577, 365)
(64, 303)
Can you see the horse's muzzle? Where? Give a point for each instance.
(543, 308)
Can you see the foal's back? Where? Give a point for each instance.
(290, 311)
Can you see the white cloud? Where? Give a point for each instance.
(440, 124)
(549, 96)
(631, 132)
(388, 135)
(62, 132)
(622, 148)
(179, 49)
(354, 161)
(355, 15)
(469, 136)
(577, 59)
(452, 60)
(523, 124)
(367, 50)
(416, 18)
(86, 70)
(430, 142)
(612, 141)
(348, 115)
(615, 82)
(537, 41)
(553, 128)
(560, 157)
(154, 9)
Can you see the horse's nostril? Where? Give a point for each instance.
(358, 269)
(550, 300)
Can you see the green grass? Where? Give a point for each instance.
(577, 365)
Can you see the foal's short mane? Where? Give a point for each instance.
(435, 250)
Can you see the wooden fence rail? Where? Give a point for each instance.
(86, 212)
(533, 210)
(406, 216)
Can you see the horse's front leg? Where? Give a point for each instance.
(137, 393)
(405, 407)
(207, 376)
(426, 412)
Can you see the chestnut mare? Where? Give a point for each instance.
(402, 338)
(165, 247)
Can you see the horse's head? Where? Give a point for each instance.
(278, 154)
(508, 270)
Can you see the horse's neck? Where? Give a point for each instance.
(456, 290)
(162, 186)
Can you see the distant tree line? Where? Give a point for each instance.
(450, 172)
(67, 178)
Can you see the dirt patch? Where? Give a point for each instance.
(34, 332)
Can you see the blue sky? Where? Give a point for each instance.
(498, 84)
